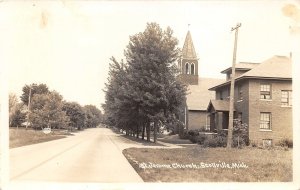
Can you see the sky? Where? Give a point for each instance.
(67, 44)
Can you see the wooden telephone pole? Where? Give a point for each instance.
(231, 101)
(29, 101)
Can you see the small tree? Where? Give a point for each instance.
(240, 134)
(16, 114)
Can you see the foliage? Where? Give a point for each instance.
(144, 90)
(46, 111)
(75, 113)
(16, 111)
(35, 89)
(93, 116)
(240, 134)
(286, 143)
(218, 141)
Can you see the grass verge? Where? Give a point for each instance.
(21, 137)
(262, 165)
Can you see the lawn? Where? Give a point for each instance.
(166, 165)
(21, 137)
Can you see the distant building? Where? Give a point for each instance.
(195, 112)
(262, 99)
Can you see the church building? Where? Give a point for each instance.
(198, 97)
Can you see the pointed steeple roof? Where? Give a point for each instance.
(188, 50)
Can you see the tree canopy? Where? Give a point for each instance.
(144, 90)
(46, 111)
(35, 89)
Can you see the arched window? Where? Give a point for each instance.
(187, 69)
(192, 68)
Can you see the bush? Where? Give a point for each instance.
(184, 135)
(240, 134)
(286, 143)
(193, 132)
(218, 141)
(201, 138)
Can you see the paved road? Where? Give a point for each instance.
(94, 155)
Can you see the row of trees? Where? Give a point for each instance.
(40, 108)
(142, 93)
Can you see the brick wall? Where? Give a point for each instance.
(281, 117)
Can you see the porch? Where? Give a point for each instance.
(218, 111)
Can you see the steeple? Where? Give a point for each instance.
(188, 50)
(188, 63)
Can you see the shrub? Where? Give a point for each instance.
(210, 143)
(286, 143)
(201, 138)
(240, 134)
(183, 135)
(193, 132)
(218, 141)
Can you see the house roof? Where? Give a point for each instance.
(188, 50)
(242, 66)
(199, 95)
(277, 67)
(219, 105)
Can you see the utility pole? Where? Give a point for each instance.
(29, 99)
(231, 101)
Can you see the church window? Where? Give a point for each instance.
(192, 68)
(187, 68)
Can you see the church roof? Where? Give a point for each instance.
(198, 95)
(188, 50)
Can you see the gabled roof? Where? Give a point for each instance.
(246, 66)
(199, 95)
(188, 50)
(277, 68)
(219, 105)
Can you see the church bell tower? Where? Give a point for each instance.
(188, 63)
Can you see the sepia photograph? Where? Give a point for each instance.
(149, 94)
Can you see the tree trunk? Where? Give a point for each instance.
(155, 132)
(148, 131)
(143, 131)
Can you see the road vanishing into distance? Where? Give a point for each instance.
(91, 156)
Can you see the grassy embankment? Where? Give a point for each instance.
(21, 137)
(263, 165)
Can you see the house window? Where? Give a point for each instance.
(265, 121)
(286, 98)
(221, 95)
(193, 69)
(187, 70)
(240, 93)
(267, 142)
(265, 91)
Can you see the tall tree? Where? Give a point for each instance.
(151, 57)
(35, 89)
(145, 90)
